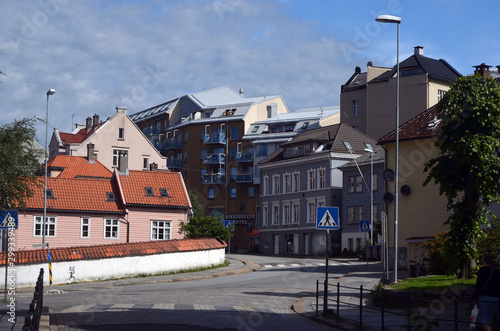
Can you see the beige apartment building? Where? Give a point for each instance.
(368, 99)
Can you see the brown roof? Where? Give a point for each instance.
(114, 250)
(134, 186)
(424, 125)
(78, 166)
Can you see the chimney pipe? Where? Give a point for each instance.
(95, 121)
(122, 162)
(482, 70)
(418, 50)
(90, 152)
(88, 124)
(121, 110)
(153, 166)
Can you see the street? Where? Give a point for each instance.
(259, 300)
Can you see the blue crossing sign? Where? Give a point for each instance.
(364, 226)
(229, 223)
(327, 218)
(9, 219)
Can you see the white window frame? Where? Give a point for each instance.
(350, 185)
(320, 202)
(265, 185)
(311, 179)
(321, 178)
(296, 181)
(351, 211)
(265, 214)
(276, 184)
(359, 184)
(113, 228)
(375, 181)
(287, 183)
(116, 156)
(295, 212)
(161, 225)
(359, 213)
(275, 214)
(83, 225)
(286, 212)
(311, 210)
(50, 226)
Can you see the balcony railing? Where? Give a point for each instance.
(173, 144)
(244, 157)
(150, 131)
(175, 163)
(214, 159)
(244, 178)
(214, 179)
(215, 138)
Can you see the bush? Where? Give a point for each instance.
(490, 243)
(435, 249)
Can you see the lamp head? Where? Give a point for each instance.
(388, 19)
(51, 92)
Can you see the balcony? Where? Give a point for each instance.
(173, 144)
(244, 157)
(150, 131)
(215, 138)
(175, 163)
(214, 159)
(214, 179)
(244, 178)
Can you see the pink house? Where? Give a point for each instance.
(91, 206)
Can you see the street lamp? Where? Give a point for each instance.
(397, 20)
(49, 93)
(369, 148)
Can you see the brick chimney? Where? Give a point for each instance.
(121, 110)
(90, 152)
(122, 162)
(153, 166)
(88, 124)
(95, 121)
(418, 50)
(482, 70)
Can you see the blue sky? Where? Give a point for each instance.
(102, 54)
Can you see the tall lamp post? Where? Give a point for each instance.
(370, 149)
(49, 93)
(396, 20)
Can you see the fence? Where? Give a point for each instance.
(449, 307)
(32, 320)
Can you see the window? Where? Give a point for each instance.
(441, 94)
(160, 230)
(296, 182)
(234, 173)
(145, 163)
(295, 212)
(251, 192)
(85, 227)
(375, 181)
(355, 111)
(233, 193)
(375, 213)
(121, 133)
(311, 211)
(116, 156)
(264, 214)
(49, 193)
(185, 137)
(276, 184)
(350, 184)
(359, 184)
(321, 202)
(261, 150)
(287, 183)
(111, 228)
(211, 193)
(410, 72)
(265, 185)
(311, 179)
(203, 173)
(149, 191)
(286, 213)
(233, 152)
(164, 192)
(50, 226)
(111, 196)
(359, 212)
(322, 178)
(350, 215)
(234, 133)
(276, 214)
(255, 129)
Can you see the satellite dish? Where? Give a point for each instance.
(405, 190)
(388, 198)
(388, 175)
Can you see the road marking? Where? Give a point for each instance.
(281, 265)
(121, 306)
(168, 306)
(295, 265)
(308, 264)
(321, 264)
(204, 307)
(77, 309)
(268, 266)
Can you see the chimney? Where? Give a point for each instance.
(90, 152)
(95, 121)
(122, 162)
(241, 92)
(418, 50)
(88, 124)
(153, 166)
(121, 110)
(482, 70)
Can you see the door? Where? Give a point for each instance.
(295, 244)
(276, 244)
(306, 244)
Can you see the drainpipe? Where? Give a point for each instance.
(128, 226)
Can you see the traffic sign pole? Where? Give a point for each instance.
(325, 296)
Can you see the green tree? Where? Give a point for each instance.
(198, 210)
(19, 159)
(205, 227)
(467, 168)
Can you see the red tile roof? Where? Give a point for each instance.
(78, 166)
(78, 137)
(134, 186)
(424, 125)
(78, 194)
(114, 250)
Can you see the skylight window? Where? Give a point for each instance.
(111, 196)
(255, 129)
(164, 192)
(149, 191)
(49, 194)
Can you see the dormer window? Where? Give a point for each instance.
(111, 196)
(255, 129)
(49, 194)
(164, 192)
(149, 191)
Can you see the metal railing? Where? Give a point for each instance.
(32, 320)
(448, 309)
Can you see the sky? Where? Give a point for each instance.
(99, 55)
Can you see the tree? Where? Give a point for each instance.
(198, 210)
(205, 227)
(467, 168)
(19, 159)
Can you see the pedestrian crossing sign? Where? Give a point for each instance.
(9, 219)
(364, 226)
(327, 218)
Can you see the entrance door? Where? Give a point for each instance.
(295, 244)
(276, 244)
(306, 244)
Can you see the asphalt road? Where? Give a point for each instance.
(259, 300)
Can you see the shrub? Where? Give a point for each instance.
(435, 249)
